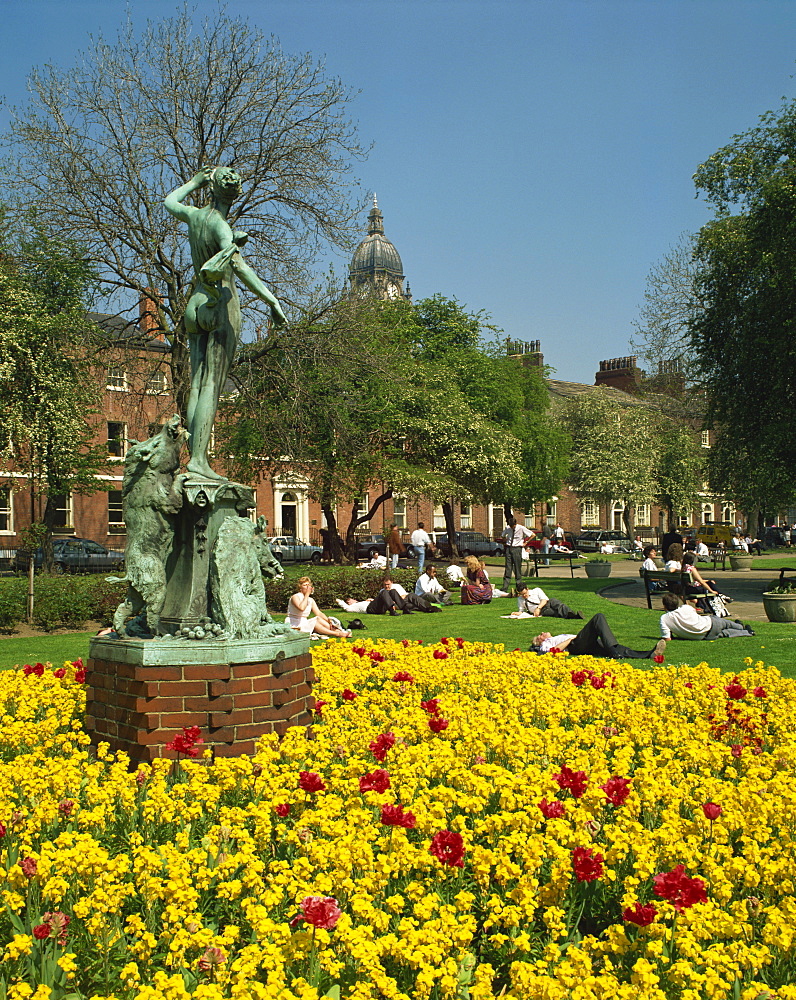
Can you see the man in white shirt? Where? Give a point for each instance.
(514, 536)
(683, 621)
(702, 551)
(429, 586)
(594, 639)
(420, 539)
(536, 602)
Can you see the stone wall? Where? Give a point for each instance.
(139, 709)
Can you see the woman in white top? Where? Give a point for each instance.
(495, 591)
(304, 615)
(675, 561)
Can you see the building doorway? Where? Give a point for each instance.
(288, 514)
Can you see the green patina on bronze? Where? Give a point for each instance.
(213, 318)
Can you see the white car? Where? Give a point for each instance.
(288, 549)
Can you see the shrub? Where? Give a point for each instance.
(361, 584)
(12, 602)
(60, 601)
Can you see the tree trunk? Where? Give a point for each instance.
(335, 543)
(629, 517)
(48, 556)
(450, 527)
(357, 519)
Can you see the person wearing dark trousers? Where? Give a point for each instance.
(536, 602)
(594, 639)
(514, 536)
(388, 601)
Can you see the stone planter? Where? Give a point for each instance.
(740, 564)
(598, 569)
(780, 607)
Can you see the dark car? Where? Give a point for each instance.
(591, 540)
(74, 555)
(469, 543)
(370, 546)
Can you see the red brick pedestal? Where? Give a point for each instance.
(139, 708)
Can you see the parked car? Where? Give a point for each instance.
(469, 543)
(370, 546)
(73, 555)
(591, 540)
(288, 549)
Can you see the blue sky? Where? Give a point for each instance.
(532, 159)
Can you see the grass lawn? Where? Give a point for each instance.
(634, 627)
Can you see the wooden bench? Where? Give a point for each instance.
(537, 555)
(719, 555)
(679, 579)
(786, 569)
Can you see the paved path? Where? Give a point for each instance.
(626, 587)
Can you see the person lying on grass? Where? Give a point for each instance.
(535, 602)
(594, 639)
(392, 599)
(683, 621)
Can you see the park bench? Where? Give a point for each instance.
(787, 569)
(719, 555)
(537, 556)
(673, 580)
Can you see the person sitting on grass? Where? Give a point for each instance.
(429, 586)
(392, 599)
(683, 621)
(304, 615)
(536, 602)
(594, 639)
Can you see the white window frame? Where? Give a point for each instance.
(120, 442)
(438, 518)
(466, 516)
(728, 513)
(617, 507)
(705, 439)
(116, 527)
(116, 379)
(7, 510)
(643, 514)
(589, 514)
(399, 511)
(157, 383)
(69, 511)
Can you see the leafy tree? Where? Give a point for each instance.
(680, 468)
(663, 326)
(100, 145)
(613, 451)
(744, 333)
(48, 389)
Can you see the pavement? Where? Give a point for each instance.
(624, 586)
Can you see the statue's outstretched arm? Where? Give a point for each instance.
(258, 287)
(174, 201)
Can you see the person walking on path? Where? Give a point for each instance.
(395, 547)
(514, 536)
(420, 539)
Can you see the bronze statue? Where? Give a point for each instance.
(212, 318)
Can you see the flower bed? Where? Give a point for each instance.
(466, 822)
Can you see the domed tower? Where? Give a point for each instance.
(376, 265)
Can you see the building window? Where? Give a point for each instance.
(117, 378)
(115, 516)
(684, 520)
(63, 520)
(6, 512)
(643, 514)
(707, 513)
(617, 512)
(363, 506)
(551, 511)
(399, 511)
(156, 383)
(589, 514)
(705, 439)
(465, 516)
(117, 439)
(728, 513)
(439, 518)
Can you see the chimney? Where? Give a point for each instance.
(620, 373)
(528, 353)
(148, 322)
